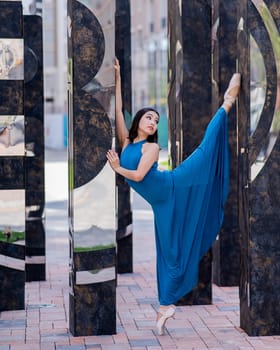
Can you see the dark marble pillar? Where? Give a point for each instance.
(123, 53)
(259, 152)
(175, 69)
(226, 250)
(12, 162)
(189, 99)
(34, 143)
(91, 37)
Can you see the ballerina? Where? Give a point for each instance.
(187, 201)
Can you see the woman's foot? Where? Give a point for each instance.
(164, 313)
(232, 91)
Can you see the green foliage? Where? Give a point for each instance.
(93, 248)
(14, 237)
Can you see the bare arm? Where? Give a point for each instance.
(121, 130)
(149, 157)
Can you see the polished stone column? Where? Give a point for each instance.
(91, 37)
(12, 162)
(35, 264)
(189, 99)
(259, 152)
(226, 250)
(123, 53)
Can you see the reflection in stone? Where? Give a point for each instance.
(12, 135)
(95, 276)
(30, 64)
(94, 238)
(40, 259)
(91, 181)
(87, 32)
(258, 84)
(93, 138)
(12, 161)
(12, 214)
(11, 59)
(271, 137)
(259, 183)
(12, 263)
(12, 236)
(94, 220)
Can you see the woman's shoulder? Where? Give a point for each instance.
(151, 146)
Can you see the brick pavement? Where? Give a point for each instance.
(44, 323)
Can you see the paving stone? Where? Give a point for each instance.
(144, 342)
(12, 324)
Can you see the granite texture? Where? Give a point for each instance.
(226, 250)
(175, 68)
(16, 251)
(34, 144)
(12, 168)
(123, 53)
(11, 19)
(259, 196)
(90, 120)
(190, 91)
(12, 173)
(89, 44)
(93, 309)
(12, 294)
(95, 260)
(92, 305)
(35, 238)
(11, 96)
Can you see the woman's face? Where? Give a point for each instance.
(148, 123)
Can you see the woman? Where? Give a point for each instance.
(187, 202)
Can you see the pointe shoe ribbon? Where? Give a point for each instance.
(164, 315)
(232, 90)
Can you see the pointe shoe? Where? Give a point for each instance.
(232, 90)
(164, 314)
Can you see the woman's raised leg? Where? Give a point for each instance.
(232, 92)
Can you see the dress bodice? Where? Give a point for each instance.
(156, 183)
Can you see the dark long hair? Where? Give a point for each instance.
(133, 131)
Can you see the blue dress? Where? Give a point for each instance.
(188, 207)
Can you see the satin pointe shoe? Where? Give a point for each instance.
(163, 315)
(232, 90)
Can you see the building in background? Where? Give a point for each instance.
(54, 15)
(55, 50)
(149, 61)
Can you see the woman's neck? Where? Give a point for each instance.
(138, 139)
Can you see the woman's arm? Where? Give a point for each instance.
(149, 157)
(121, 130)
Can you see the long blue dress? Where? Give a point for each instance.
(188, 207)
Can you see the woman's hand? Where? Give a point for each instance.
(113, 159)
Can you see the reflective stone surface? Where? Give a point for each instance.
(92, 223)
(189, 98)
(94, 303)
(11, 96)
(11, 59)
(12, 135)
(12, 169)
(123, 52)
(11, 19)
(226, 250)
(34, 145)
(259, 172)
(12, 249)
